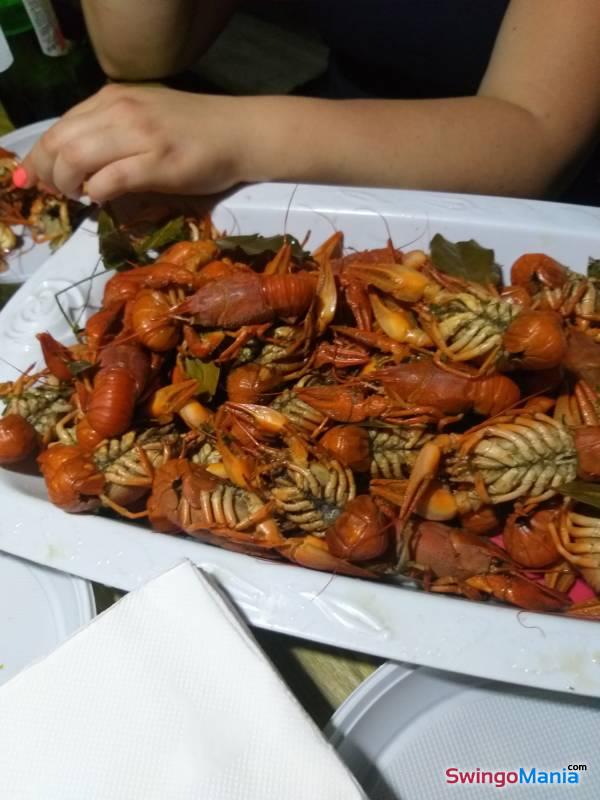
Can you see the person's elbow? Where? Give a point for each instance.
(538, 151)
(555, 157)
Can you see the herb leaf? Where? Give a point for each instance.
(6, 291)
(206, 374)
(77, 367)
(583, 491)
(467, 260)
(593, 269)
(120, 249)
(116, 248)
(256, 245)
(173, 231)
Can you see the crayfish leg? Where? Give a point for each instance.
(589, 609)
(330, 248)
(520, 591)
(423, 472)
(280, 263)
(312, 552)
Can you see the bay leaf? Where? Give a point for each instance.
(583, 491)
(116, 248)
(120, 249)
(593, 269)
(206, 374)
(6, 291)
(77, 367)
(175, 230)
(255, 245)
(467, 260)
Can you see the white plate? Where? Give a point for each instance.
(39, 609)
(386, 620)
(24, 262)
(403, 728)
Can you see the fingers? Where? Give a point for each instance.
(39, 162)
(80, 120)
(134, 174)
(126, 139)
(28, 176)
(86, 155)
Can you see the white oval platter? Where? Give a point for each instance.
(390, 621)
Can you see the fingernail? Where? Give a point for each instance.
(20, 177)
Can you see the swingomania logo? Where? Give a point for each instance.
(523, 775)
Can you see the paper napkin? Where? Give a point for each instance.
(166, 695)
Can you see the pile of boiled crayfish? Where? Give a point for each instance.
(365, 414)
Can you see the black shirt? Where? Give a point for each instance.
(407, 48)
(418, 49)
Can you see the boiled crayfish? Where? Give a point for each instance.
(362, 413)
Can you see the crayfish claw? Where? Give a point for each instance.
(167, 401)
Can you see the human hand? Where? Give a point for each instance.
(133, 139)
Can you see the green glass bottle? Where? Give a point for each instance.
(39, 86)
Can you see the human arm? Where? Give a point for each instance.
(155, 38)
(537, 108)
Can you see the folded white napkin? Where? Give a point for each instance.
(166, 695)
